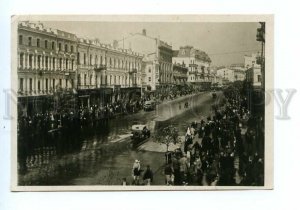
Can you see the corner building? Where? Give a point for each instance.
(46, 65)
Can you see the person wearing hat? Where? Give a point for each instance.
(136, 171)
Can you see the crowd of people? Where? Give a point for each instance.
(215, 151)
(84, 115)
(225, 149)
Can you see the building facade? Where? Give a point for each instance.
(180, 74)
(105, 73)
(158, 57)
(46, 64)
(198, 63)
(253, 72)
(231, 74)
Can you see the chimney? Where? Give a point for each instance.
(115, 44)
(144, 32)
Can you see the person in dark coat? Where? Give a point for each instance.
(148, 176)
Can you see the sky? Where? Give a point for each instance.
(225, 43)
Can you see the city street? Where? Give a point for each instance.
(121, 112)
(87, 166)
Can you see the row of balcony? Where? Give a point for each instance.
(40, 92)
(105, 86)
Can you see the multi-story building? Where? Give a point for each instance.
(198, 63)
(106, 73)
(158, 57)
(231, 74)
(226, 74)
(253, 72)
(46, 64)
(180, 74)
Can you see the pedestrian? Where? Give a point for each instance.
(148, 176)
(198, 170)
(183, 168)
(188, 132)
(168, 174)
(136, 170)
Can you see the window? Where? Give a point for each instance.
(84, 59)
(66, 83)
(72, 65)
(39, 85)
(66, 48)
(46, 84)
(30, 84)
(72, 49)
(53, 63)
(259, 78)
(78, 58)
(78, 79)
(21, 84)
(67, 62)
(149, 70)
(60, 63)
(84, 79)
(53, 46)
(20, 39)
(101, 60)
(29, 41)
(53, 83)
(96, 60)
(30, 61)
(21, 60)
(60, 82)
(46, 62)
(59, 46)
(149, 79)
(91, 57)
(38, 42)
(72, 83)
(46, 44)
(39, 61)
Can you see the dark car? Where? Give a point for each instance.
(149, 105)
(139, 134)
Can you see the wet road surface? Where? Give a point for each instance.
(96, 161)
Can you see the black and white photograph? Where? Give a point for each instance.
(142, 102)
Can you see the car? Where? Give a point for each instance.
(149, 105)
(139, 133)
(141, 129)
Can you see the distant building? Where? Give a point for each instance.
(180, 74)
(253, 72)
(158, 57)
(231, 74)
(198, 63)
(252, 60)
(46, 64)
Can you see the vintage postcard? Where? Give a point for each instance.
(157, 102)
